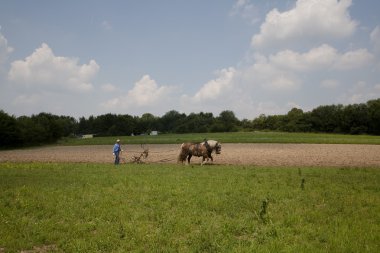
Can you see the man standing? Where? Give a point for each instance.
(116, 151)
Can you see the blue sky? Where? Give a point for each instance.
(83, 58)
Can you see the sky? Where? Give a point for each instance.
(91, 57)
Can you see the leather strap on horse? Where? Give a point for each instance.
(208, 147)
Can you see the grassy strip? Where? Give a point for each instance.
(172, 208)
(235, 137)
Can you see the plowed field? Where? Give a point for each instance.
(243, 154)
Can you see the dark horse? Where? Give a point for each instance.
(203, 149)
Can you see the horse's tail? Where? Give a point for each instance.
(180, 158)
(182, 154)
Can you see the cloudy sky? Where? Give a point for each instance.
(91, 57)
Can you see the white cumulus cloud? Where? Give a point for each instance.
(360, 92)
(354, 59)
(5, 50)
(221, 93)
(323, 57)
(108, 87)
(246, 10)
(264, 73)
(375, 39)
(216, 87)
(308, 20)
(27, 100)
(145, 93)
(43, 70)
(329, 83)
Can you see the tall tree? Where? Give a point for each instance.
(327, 118)
(171, 120)
(355, 119)
(374, 116)
(227, 121)
(9, 130)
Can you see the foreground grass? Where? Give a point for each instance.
(172, 208)
(235, 137)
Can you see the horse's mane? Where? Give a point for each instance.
(212, 143)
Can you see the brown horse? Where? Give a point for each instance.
(193, 149)
(203, 149)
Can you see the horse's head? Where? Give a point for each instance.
(215, 145)
(218, 148)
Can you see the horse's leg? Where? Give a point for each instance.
(188, 158)
(184, 158)
(203, 160)
(209, 156)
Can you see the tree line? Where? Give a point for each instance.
(46, 128)
(361, 118)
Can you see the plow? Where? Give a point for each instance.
(138, 158)
(141, 156)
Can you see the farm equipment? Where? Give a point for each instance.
(138, 159)
(143, 155)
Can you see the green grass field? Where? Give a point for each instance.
(53, 207)
(235, 137)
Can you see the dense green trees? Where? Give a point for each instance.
(37, 129)
(47, 128)
(9, 130)
(374, 116)
(350, 119)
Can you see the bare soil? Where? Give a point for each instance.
(239, 154)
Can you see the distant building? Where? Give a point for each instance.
(153, 133)
(87, 136)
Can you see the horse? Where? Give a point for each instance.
(203, 149)
(196, 149)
